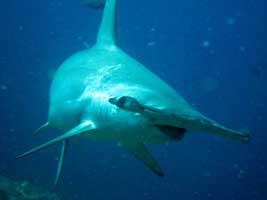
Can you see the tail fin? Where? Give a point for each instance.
(93, 3)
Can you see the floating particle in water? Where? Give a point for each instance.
(152, 43)
(207, 174)
(80, 38)
(51, 32)
(241, 174)
(206, 43)
(209, 84)
(3, 87)
(242, 48)
(152, 29)
(3, 58)
(11, 130)
(196, 193)
(259, 70)
(230, 21)
(210, 29)
(236, 166)
(21, 28)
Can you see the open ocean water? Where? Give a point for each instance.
(214, 53)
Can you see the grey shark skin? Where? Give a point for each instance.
(81, 93)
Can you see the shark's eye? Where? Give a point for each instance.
(127, 103)
(131, 104)
(121, 102)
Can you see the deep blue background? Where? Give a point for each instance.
(213, 52)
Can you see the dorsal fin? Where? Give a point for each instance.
(106, 33)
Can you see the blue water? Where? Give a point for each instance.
(212, 52)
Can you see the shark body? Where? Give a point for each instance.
(104, 94)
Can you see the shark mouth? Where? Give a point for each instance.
(174, 133)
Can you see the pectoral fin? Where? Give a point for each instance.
(61, 160)
(141, 153)
(42, 128)
(81, 128)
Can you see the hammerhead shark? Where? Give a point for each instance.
(104, 94)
